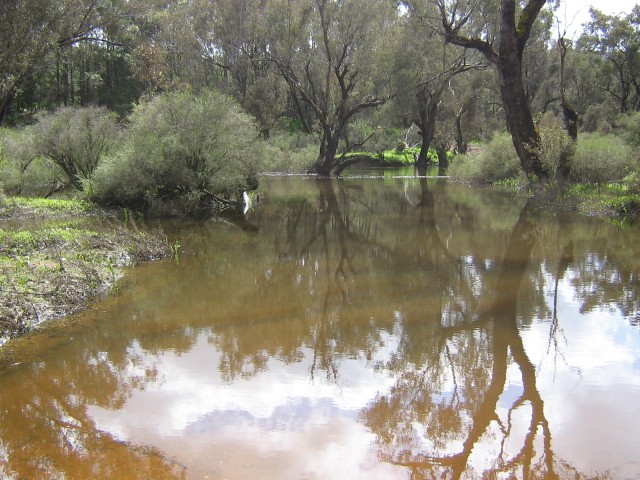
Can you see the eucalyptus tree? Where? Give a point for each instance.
(500, 31)
(36, 39)
(327, 52)
(234, 43)
(424, 69)
(27, 32)
(616, 41)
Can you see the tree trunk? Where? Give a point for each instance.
(327, 155)
(5, 105)
(524, 133)
(427, 110)
(508, 60)
(443, 160)
(461, 145)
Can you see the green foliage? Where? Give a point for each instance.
(631, 129)
(22, 170)
(76, 139)
(601, 158)
(395, 157)
(556, 146)
(406, 156)
(619, 198)
(54, 205)
(496, 161)
(289, 152)
(181, 152)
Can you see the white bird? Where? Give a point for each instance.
(246, 201)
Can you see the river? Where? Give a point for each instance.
(374, 327)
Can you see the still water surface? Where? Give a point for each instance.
(378, 328)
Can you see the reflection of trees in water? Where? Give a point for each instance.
(442, 410)
(46, 432)
(347, 267)
(601, 281)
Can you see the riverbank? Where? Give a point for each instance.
(53, 262)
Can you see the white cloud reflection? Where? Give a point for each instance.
(279, 423)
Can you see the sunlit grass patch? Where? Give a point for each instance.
(607, 198)
(57, 205)
(51, 272)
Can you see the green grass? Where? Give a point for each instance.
(394, 157)
(606, 198)
(44, 205)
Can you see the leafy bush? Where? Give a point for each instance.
(601, 158)
(631, 129)
(22, 170)
(555, 144)
(496, 161)
(181, 155)
(289, 152)
(76, 139)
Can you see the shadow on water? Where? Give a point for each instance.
(403, 307)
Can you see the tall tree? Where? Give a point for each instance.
(27, 31)
(616, 40)
(462, 23)
(326, 52)
(36, 37)
(234, 43)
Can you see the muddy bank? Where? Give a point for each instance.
(51, 269)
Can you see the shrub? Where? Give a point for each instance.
(555, 144)
(182, 154)
(601, 158)
(22, 170)
(496, 161)
(289, 152)
(75, 139)
(631, 129)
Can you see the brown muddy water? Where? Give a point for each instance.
(369, 328)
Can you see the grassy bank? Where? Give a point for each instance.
(611, 199)
(50, 270)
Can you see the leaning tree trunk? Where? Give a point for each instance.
(524, 133)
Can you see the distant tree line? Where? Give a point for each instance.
(438, 74)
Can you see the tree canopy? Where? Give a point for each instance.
(321, 66)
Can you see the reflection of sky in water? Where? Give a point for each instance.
(295, 427)
(590, 385)
(277, 412)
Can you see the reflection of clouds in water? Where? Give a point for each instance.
(275, 411)
(280, 417)
(589, 343)
(591, 387)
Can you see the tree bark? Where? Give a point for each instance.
(427, 110)
(508, 61)
(524, 133)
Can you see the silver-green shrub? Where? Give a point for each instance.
(630, 124)
(601, 158)
(495, 161)
(76, 138)
(286, 152)
(22, 170)
(182, 153)
(556, 146)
